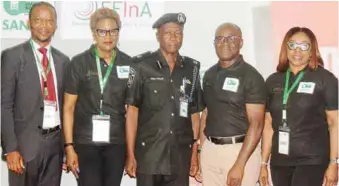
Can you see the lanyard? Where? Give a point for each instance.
(287, 92)
(103, 81)
(41, 68)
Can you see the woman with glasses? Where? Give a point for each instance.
(94, 105)
(301, 123)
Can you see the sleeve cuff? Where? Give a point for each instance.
(256, 101)
(71, 92)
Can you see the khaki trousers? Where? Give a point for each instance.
(217, 160)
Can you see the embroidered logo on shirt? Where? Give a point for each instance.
(90, 74)
(277, 89)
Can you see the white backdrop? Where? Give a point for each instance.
(73, 36)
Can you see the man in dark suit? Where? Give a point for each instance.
(31, 98)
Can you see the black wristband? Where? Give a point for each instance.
(68, 144)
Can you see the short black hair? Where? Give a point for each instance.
(42, 3)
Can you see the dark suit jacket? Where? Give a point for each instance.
(22, 103)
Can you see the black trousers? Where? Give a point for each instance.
(308, 175)
(46, 168)
(101, 165)
(163, 180)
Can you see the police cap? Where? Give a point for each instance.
(178, 18)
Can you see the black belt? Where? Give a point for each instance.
(226, 140)
(50, 130)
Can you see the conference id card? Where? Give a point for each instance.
(284, 141)
(183, 107)
(101, 128)
(50, 115)
(123, 72)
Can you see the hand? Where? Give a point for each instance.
(235, 175)
(198, 176)
(131, 166)
(15, 162)
(263, 176)
(194, 164)
(331, 175)
(64, 167)
(72, 162)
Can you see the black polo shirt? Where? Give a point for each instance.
(306, 117)
(164, 138)
(82, 80)
(226, 93)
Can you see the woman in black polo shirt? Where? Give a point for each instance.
(301, 124)
(94, 105)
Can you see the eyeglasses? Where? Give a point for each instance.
(302, 46)
(227, 39)
(103, 32)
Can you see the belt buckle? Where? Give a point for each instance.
(48, 130)
(233, 140)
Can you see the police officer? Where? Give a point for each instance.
(234, 93)
(164, 98)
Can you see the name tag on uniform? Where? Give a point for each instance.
(183, 107)
(123, 72)
(306, 87)
(50, 115)
(231, 84)
(101, 128)
(284, 141)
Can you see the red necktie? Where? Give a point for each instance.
(49, 82)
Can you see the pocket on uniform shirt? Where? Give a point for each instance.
(155, 94)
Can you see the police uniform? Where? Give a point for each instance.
(165, 101)
(99, 158)
(226, 93)
(309, 143)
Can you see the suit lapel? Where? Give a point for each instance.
(31, 70)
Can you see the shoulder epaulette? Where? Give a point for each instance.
(195, 62)
(142, 56)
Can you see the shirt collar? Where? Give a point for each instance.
(305, 70)
(236, 63)
(92, 53)
(37, 46)
(163, 62)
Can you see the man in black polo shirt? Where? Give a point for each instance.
(164, 98)
(233, 120)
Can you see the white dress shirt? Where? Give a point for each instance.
(38, 56)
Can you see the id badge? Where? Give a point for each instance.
(50, 115)
(123, 72)
(101, 128)
(284, 140)
(183, 107)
